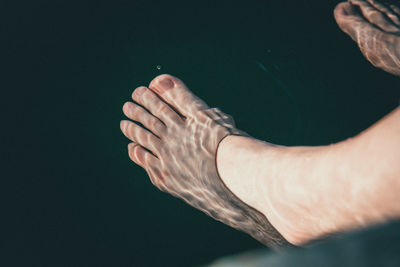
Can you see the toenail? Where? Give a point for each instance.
(139, 91)
(165, 84)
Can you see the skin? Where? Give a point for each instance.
(279, 195)
(311, 192)
(375, 27)
(182, 141)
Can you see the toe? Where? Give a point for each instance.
(175, 93)
(158, 177)
(385, 10)
(375, 16)
(140, 156)
(348, 20)
(376, 44)
(395, 9)
(358, 29)
(148, 99)
(139, 114)
(141, 136)
(150, 163)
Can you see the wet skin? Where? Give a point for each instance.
(375, 27)
(178, 149)
(182, 141)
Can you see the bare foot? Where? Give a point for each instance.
(376, 29)
(178, 151)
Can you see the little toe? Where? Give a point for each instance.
(141, 136)
(175, 93)
(158, 177)
(375, 16)
(140, 156)
(148, 99)
(139, 114)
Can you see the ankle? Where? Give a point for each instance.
(308, 190)
(239, 167)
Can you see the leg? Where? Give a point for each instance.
(305, 192)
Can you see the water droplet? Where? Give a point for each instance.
(158, 67)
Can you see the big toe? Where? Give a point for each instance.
(348, 19)
(174, 92)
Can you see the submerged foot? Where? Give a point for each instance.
(178, 151)
(376, 29)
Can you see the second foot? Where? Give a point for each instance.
(375, 27)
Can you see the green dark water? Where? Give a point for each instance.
(282, 69)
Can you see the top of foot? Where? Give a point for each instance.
(375, 27)
(182, 138)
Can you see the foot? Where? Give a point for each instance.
(178, 151)
(376, 29)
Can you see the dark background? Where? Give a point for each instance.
(72, 197)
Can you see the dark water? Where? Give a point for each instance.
(283, 69)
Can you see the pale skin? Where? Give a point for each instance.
(309, 192)
(305, 192)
